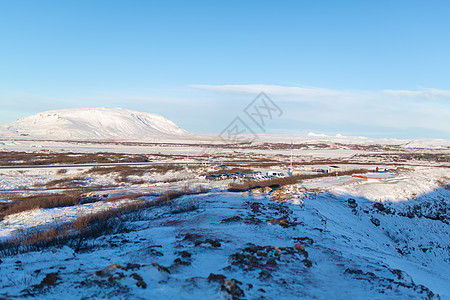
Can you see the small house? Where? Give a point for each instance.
(278, 174)
(333, 169)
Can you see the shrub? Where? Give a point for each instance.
(39, 201)
(75, 234)
(61, 171)
(67, 182)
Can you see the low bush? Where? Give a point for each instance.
(57, 234)
(61, 171)
(75, 234)
(20, 204)
(39, 201)
(123, 171)
(67, 182)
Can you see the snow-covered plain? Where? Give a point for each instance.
(318, 243)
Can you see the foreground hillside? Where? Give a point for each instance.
(248, 247)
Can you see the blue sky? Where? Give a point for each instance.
(366, 68)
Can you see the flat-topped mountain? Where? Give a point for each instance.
(93, 123)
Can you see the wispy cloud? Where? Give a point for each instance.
(380, 111)
(293, 91)
(425, 93)
(273, 90)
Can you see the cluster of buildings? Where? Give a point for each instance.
(256, 175)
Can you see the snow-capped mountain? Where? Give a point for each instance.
(93, 123)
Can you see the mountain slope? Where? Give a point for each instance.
(93, 123)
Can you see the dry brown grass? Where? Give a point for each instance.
(9, 195)
(125, 171)
(15, 158)
(61, 171)
(69, 182)
(70, 234)
(39, 201)
(18, 203)
(75, 234)
(121, 170)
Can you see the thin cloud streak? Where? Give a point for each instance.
(272, 89)
(278, 90)
(426, 93)
(335, 109)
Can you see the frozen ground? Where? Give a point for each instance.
(238, 246)
(386, 236)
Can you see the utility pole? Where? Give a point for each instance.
(292, 147)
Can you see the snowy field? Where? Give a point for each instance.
(353, 233)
